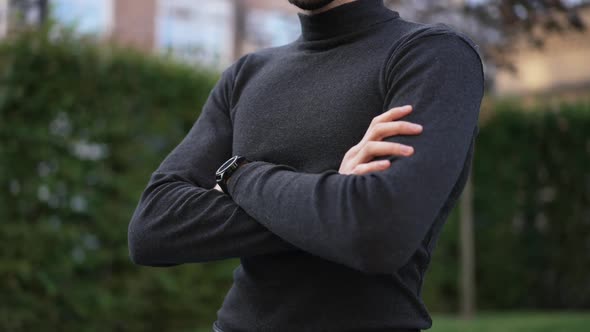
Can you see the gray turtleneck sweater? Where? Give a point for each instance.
(319, 250)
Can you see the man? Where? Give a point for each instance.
(329, 239)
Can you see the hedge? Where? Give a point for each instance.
(83, 124)
(82, 127)
(531, 178)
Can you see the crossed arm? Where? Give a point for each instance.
(370, 222)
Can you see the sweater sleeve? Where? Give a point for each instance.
(375, 222)
(180, 217)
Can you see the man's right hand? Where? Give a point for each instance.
(358, 160)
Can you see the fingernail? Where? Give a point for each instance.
(417, 126)
(407, 149)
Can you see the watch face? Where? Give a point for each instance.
(226, 165)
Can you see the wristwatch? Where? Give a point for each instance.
(227, 169)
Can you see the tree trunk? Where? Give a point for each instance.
(43, 7)
(239, 28)
(467, 279)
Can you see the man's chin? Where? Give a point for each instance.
(310, 4)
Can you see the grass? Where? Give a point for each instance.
(515, 322)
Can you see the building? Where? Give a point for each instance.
(217, 32)
(3, 17)
(560, 67)
(214, 32)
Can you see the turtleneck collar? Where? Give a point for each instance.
(343, 19)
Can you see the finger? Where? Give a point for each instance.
(393, 114)
(373, 166)
(386, 129)
(373, 149)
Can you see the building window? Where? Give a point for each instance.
(87, 16)
(196, 31)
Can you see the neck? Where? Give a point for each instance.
(329, 6)
(345, 18)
